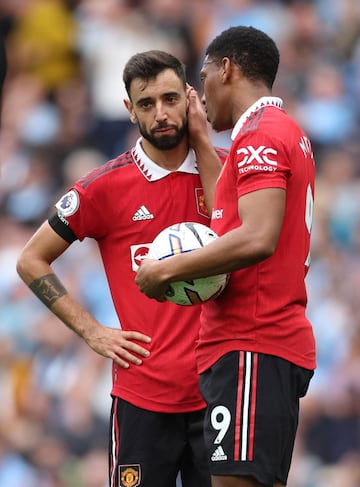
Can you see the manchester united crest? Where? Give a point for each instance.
(200, 202)
(130, 475)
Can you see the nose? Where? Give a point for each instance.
(203, 100)
(160, 115)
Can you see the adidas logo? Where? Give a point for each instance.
(142, 214)
(218, 454)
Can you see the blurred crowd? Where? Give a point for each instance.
(63, 114)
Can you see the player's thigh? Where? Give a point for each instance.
(145, 447)
(194, 465)
(252, 415)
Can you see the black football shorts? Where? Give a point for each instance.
(252, 415)
(148, 448)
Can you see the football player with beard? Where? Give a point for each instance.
(156, 424)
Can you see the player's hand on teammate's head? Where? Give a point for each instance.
(197, 119)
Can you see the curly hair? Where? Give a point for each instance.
(251, 49)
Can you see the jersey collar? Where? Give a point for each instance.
(152, 171)
(265, 101)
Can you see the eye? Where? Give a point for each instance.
(146, 105)
(172, 99)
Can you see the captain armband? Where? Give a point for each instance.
(63, 230)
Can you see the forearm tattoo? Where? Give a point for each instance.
(48, 289)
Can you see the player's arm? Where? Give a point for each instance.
(261, 213)
(34, 267)
(208, 162)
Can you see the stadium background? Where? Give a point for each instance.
(62, 114)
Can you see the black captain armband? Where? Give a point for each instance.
(62, 229)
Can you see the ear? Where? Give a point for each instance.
(130, 109)
(226, 69)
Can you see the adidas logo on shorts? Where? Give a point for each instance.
(218, 454)
(142, 214)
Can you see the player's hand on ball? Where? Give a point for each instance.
(149, 284)
(155, 279)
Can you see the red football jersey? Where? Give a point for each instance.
(123, 205)
(263, 307)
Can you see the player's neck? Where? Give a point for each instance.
(249, 96)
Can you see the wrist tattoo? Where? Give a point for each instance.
(48, 289)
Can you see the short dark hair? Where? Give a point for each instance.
(251, 49)
(148, 64)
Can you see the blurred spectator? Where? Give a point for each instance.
(171, 19)
(248, 12)
(327, 112)
(30, 200)
(28, 112)
(338, 195)
(93, 469)
(41, 42)
(109, 32)
(73, 103)
(15, 471)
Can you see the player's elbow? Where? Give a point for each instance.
(263, 247)
(261, 253)
(21, 265)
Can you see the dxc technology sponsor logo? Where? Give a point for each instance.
(256, 159)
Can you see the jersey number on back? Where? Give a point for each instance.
(309, 210)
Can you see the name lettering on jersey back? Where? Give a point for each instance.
(260, 158)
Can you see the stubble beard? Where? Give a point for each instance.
(165, 142)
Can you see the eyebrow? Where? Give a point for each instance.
(166, 94)
(143, 100)
(210, 62)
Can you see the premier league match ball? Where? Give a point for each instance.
(185, 237)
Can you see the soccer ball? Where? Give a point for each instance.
(185, 237)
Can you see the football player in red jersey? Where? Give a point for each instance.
(256, 349)
(157, 409)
